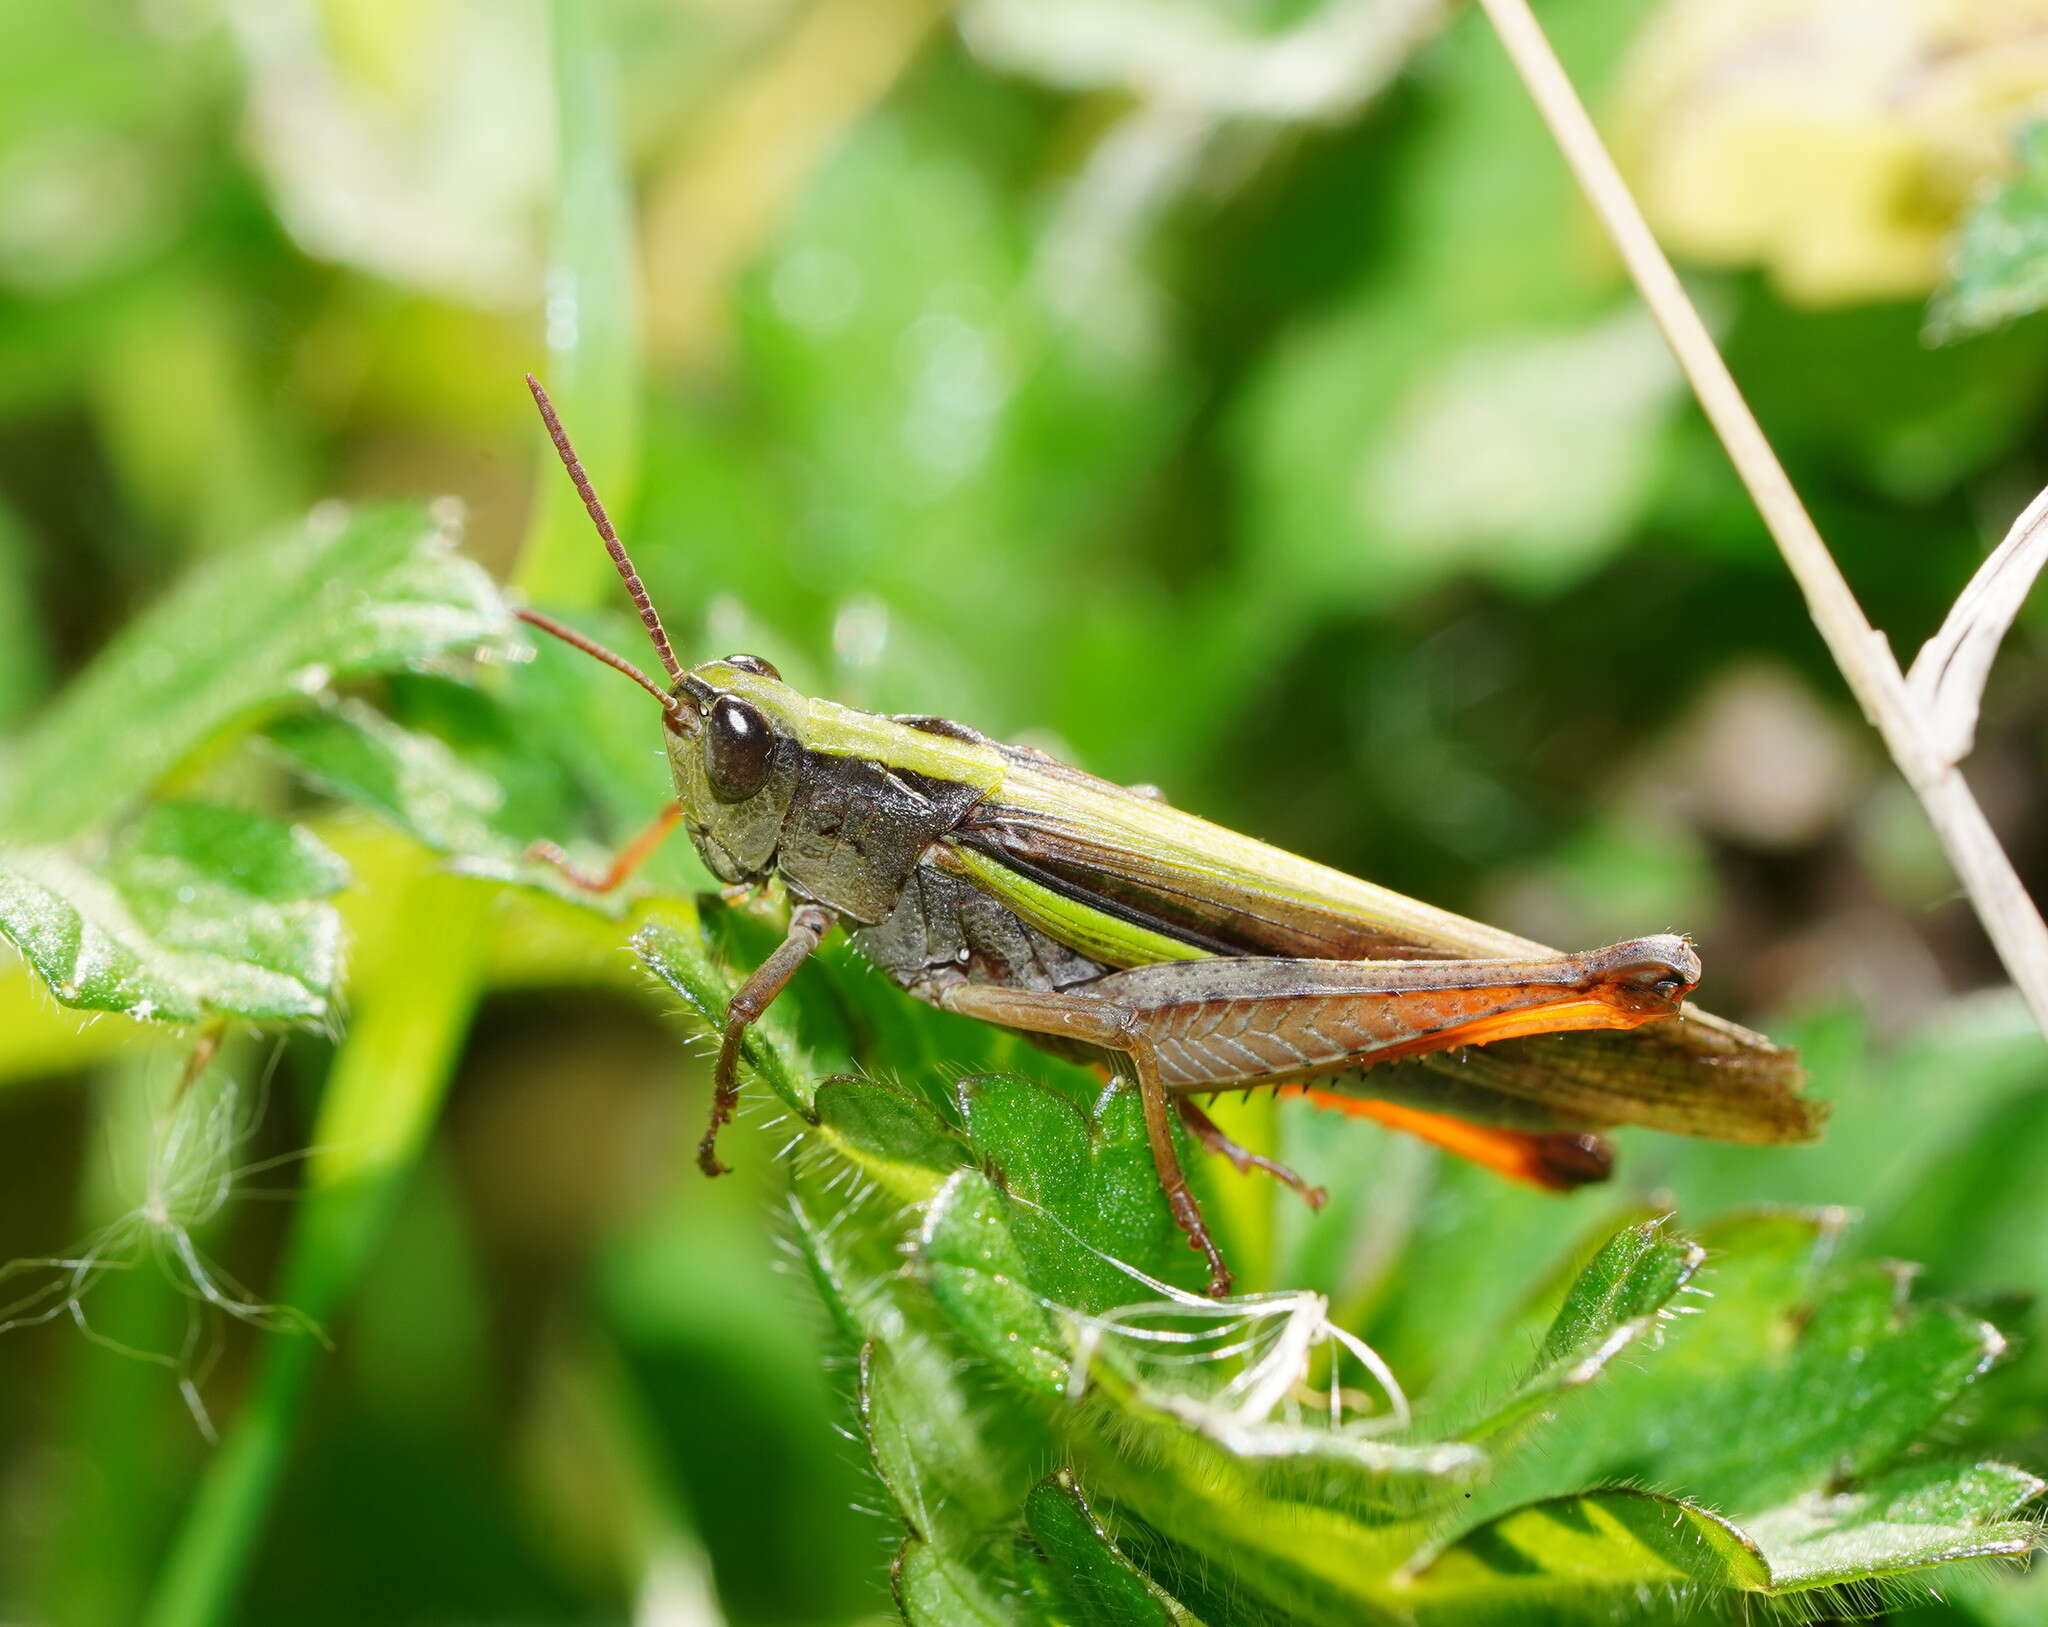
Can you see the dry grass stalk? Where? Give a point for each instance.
(1927, 723)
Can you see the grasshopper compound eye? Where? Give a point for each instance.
(739, 749)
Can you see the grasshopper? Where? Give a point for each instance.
(996, 881)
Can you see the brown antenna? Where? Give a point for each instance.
(613, 546)
(589, 646)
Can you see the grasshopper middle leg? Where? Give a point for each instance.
(1102, 1023)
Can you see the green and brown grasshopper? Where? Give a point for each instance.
(995, 881)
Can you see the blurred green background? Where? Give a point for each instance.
(1231, 394)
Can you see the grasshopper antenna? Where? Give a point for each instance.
(613, 546)
(590, 646)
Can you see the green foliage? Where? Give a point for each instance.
(1779, 1403)
(191, 911)
(196, 911)
(1312, 464)
(1731, 1413)
(341, 596)
(415, 780)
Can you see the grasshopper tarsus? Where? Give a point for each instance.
(725, 1090)
(1188, 1216)
(1220, 1279)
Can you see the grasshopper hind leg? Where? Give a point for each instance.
(1101, 1023)
(1213, 1136)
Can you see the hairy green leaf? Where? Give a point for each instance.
(1924, 1515)
(411, 779)
(1776, 1409)
(679, 959)
(195, 911)
(1568, 1547)
(343, 595)
(1623, 1296)
(935, 1589)
(1076, 1569)
(891, 1136)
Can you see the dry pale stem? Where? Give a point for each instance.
(1906, 718)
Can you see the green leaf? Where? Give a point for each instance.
(1857, 1375)
(343, 595)
(1188, 1401)
(679, 959)
(410, 779)
(936, 1589)
(1566, 1547)
(1634, 1276)
(979, 1278)
(891, 1136)
(473, 784)
(1929, 1514)
(2000, 271)
(924, 1435)
(1773, 1390)
(1788, 1378)
(1565, 1550)
(1078, 1570)
(1622, 1297)
(196, 912)
(1088, 1189)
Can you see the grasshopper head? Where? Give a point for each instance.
(735, 750)
(733, 727)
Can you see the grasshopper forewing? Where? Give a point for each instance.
(995, 881)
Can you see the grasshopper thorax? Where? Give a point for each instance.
(841, 805)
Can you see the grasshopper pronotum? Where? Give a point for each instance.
(998, 882)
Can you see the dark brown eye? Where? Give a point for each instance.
(754, 664)
(739, 749)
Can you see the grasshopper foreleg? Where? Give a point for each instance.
(1213, 1136)
(628, 858)
(808, 924)
(1103, 1023)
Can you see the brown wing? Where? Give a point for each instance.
(1695, 1075)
